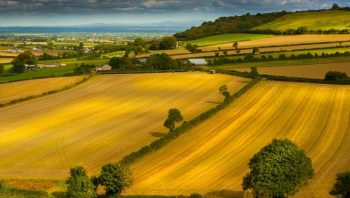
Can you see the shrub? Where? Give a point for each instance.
(335, 76)
(279, 169)
(342, 185)
(115, 178)
(79, 184)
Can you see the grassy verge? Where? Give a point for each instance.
(11, 192)
(44, 73)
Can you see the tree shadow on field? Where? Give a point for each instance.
(59, 194)
(225, 194)
(213, 102)
(157, 134)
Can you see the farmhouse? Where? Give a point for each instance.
(29, 67)
(103, 68)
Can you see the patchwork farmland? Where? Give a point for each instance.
(99, 121)
(316, 117)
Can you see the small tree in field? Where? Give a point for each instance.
(279, 169)
(342, 186)
(224, 91)
(79, 184)
(235, 45)
(255, 50)
(254, 72)
(174, 115)
(115, 178)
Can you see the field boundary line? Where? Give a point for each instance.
(24, 99)
(185, 126)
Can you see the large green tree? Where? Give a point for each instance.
(278, 170)
(169, 42)
(79, 184)
(24, 58)
(115, 178)
(161, 62)
(342, 185)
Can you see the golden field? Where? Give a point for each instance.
(307, 71)
(5, 60)
(99, 121)
(212, 157)
(283, 40)
(22, 89)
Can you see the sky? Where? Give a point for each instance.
(80, 12)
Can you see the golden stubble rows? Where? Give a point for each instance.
(214, 155)
(22, 89)
(99, 121)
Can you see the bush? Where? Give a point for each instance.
(2, 69)
(335, 76)
(115, 178)
(79, 184)
(24, 58)
(279, 169)
(342, 185)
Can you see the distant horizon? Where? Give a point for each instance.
(53, 13)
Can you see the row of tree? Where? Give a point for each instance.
(114, 178)
(282, 56)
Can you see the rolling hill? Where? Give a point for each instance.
(320, 20)
(315, 116)
(99, 121)
(276, 23)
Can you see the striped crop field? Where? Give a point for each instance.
(212, 157)
(22, 89)
(99, 121)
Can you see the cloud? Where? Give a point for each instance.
(89, 7)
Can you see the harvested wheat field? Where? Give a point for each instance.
(213, 156)
(307, 71)
(99, 121)
(23, 89)
(283, 40)
(5, 60)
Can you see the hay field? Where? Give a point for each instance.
(5, 60)
(283, 40)
(307, 71)
(213, 156)
(99, 121)
(22, 89)
(325, 47)
(324, 20)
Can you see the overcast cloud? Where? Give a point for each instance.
(56, 12)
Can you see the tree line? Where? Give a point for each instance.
(282, 56)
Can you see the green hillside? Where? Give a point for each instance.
(226, 38)
(317, 20)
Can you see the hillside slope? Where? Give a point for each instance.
(99, 121)
(213, 156)
(322, 20)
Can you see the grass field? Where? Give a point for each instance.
(99, 121)
(283, 40)
(227, 38)
(56, 71)
(324, 20)
(22, 89)
(213, 156)
(113, 54)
